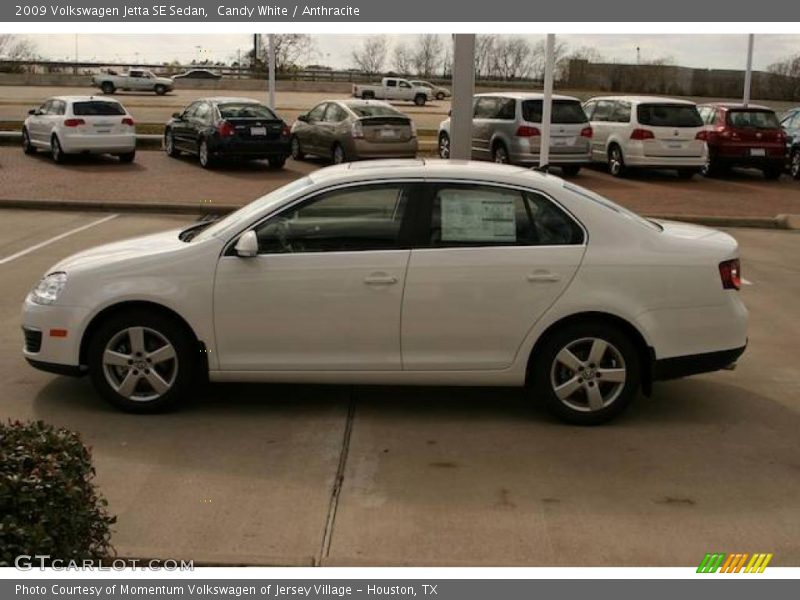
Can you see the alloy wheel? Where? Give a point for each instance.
(588, 374)
(296, 152)
(169, 144)
(338, 155)
(140, 364)
(444, 146)
(615, 162)
(203, 153)
(501, 155)
(794, 169)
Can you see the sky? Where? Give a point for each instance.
(719, 51)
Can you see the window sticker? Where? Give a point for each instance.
(475, 216)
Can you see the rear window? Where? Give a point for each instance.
(375, 111)
(97, 108)
(564, 111)
(669, 115)
(243, 110)
(760, 119)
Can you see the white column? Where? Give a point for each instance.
(271, 59)
(748, 74)
(463, 89)
(547, 102)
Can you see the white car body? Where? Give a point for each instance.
(56, 119)
(614, 119)
(411, 315)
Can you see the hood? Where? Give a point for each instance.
(166, 80)
(140, 248)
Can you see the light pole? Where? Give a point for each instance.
(748, 74)
(547, 101)
(463, 89)
(271, 52)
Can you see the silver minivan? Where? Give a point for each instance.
(506, 128)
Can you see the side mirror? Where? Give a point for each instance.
(247, 245)
(178, 116)
(33, 111)
(303, 118)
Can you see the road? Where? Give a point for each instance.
(246, 474)
(154, 177)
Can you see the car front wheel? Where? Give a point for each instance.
(169, 144)
(586, 372)
(500, 154)
(142, 361)
(297, 151)
(27, 147)
(338, 156)
(794, 166)
(444, 146)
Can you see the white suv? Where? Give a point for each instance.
(80, 125)
(647, 131)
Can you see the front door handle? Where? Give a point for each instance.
(544, 276)
(380, 280)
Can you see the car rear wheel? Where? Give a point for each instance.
(142, 361)
(297, 151)
(444, 145)
(420, 99)
(773, 172)
(277, 162)
(570, 170)
(794, 165)
(338, 155)
(440, 96)
(587, 372)
(160, 90)
(127, 157)
(107, 87)
(500, 154)
(56, 151)
(204, 155)
(27, 147)
(616, 162)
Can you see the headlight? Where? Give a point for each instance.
(49, 288)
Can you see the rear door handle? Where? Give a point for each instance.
(380, 280)
(543, 276)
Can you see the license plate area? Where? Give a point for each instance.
(387, 134)
(758, 152)
(258, 131)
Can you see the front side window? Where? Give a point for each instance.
(485, 108)
(202, 113)
(334, 114)
(603, 110)
(622, 113)
(347, 220)
(317, 112)
(478, 215)
(135, 74)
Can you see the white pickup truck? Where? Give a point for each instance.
(392, 88)
(134, 80)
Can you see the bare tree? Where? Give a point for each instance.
(291, 49)
(538, 57)
(370, 56)
(16, 47)
(785, 80)
(511, 58)
(402, 59)
(484, 54)
(428, 54)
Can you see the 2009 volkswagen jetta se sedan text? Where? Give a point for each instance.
(400, 272)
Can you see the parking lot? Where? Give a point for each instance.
(343, 475)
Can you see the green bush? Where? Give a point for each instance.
(48, 502)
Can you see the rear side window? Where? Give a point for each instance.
(97, 108)
(564, 111)
(243, 110)
(475, 215)
(760, 119)
(669, 115)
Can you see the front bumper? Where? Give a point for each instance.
(59, 350)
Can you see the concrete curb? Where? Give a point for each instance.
(786, 222)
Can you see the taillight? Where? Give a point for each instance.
(527, 131)
(127, 121)
(642, 134)
(357, 129)
(587, 132)
(702, 135)
(780, 136)
(731, 273)
(226, 129)
(285, 131)
(73, 122)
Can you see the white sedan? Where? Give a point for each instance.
(66, 125)
(400, 272)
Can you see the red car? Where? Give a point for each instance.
(742, 136)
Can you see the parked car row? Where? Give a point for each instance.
(629, 132)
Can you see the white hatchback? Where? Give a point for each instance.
(647, 131)
(66, 125)
(400, 272)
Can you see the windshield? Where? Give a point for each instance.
(564, 112)
(374, 110)
(669, 115)
(760, 119)
(249, 211)
(243, 110)
(605, 202)
(97, 108)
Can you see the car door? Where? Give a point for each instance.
(309, 135)
(601, 128)
(497, 259)
(404, 90)
(37, 129)
(182, 129)
(482, 115)
(326, 129)
(324, 292)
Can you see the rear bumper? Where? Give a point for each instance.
(365, 149)
(683, 366)
(522, 152)
(98, 144)
(665, 162)
(262, 148)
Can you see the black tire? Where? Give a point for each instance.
(204, 155)
(616, 161)
(794, 164)
(440, 96)
(277, 162)
(27, 147)
(338, 155)
(570, 170)
(56, 151)
(107, 87)
(297, 151)
(169, 144)
(620, 358)
(444, 145)
(185, 363)
(420, 99)
(773, 172)
(500, 154)
(687, 173)
(127, 157)
(160, 89)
